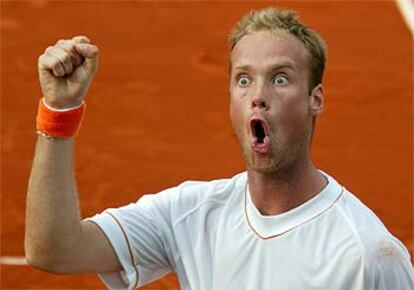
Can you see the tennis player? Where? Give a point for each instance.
(283, 224)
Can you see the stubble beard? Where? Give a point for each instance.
(280, 162)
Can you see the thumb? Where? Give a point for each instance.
(91, 54)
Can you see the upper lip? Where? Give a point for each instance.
(253, 120)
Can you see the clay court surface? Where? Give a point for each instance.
(158, 109)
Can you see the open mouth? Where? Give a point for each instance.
(260, 142)
(258, 130)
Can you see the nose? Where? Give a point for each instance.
(259, 101)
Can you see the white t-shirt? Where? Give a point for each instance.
(213, 237)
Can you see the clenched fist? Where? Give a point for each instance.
(66, 71)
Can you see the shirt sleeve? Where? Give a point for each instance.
(392, 269)
(138, 234)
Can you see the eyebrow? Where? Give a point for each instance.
(275, 67)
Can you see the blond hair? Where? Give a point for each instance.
(280, 20)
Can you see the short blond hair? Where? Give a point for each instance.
(281, 20)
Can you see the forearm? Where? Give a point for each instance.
(55, 239)
(52, 213)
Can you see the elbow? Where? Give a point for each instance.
(45, 261)
(38, 263)
(41, 263)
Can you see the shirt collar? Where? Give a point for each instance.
(267, 227)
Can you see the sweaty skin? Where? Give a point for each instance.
(269, 81)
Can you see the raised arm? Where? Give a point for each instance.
(56, 239)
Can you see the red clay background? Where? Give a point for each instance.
(157, 110)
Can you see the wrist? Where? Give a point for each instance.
(59, 123)
(61, 108)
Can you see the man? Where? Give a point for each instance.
(282, 224)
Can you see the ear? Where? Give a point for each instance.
(316, 100)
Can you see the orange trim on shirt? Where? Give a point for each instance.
(129, 247)
(289, 230)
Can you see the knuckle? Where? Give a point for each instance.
(66, 58)
(44, 61)
(70, 43)
(60, 55)
(49, 49)
(60, 42)
(81, 39)
(52, 53)
(41, 63)
(55, 64)
(67, 45)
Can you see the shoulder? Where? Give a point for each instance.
(356, 220)
(386, 260)
(216, 190)
(366, 226)
(191, 195)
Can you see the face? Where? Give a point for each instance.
(271, 109)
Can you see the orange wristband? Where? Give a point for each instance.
(61, 124)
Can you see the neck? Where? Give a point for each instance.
(278, 192)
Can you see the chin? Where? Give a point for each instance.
(263, 170)
(264, 164)
(267, 168)
(278, 164)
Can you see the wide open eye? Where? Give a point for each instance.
(244, 81)
(280, 80)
